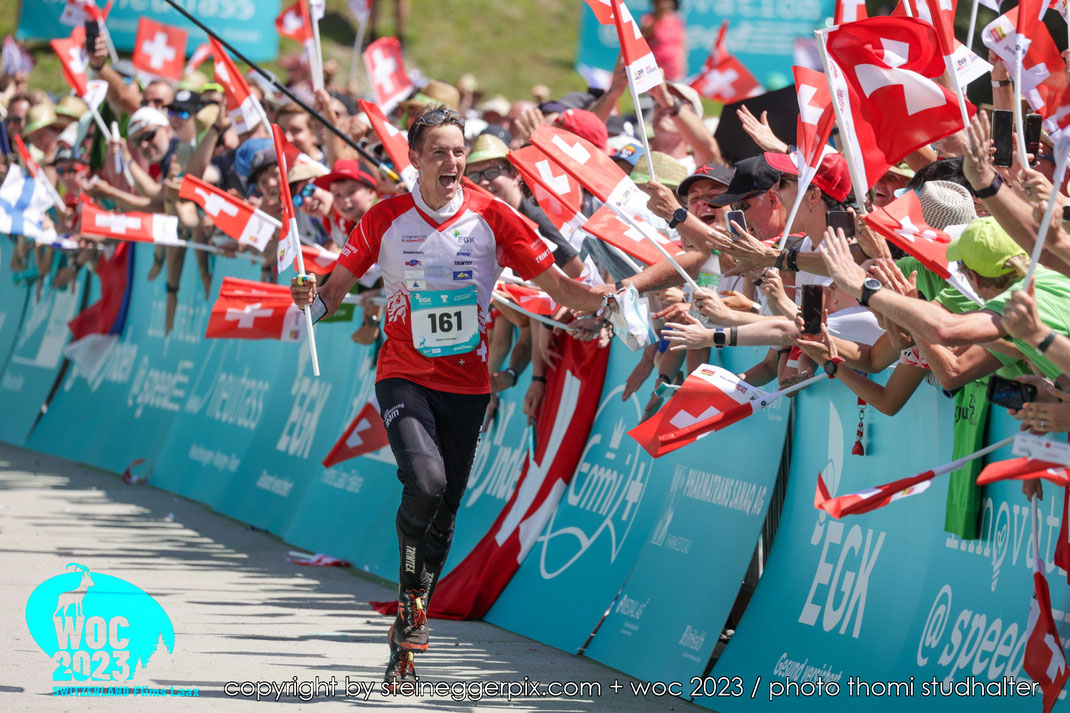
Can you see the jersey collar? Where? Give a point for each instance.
(440, 219)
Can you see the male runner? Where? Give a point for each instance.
(440, 249)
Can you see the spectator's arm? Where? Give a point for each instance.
(124, 98)
(1022, 320)
(604, 105)
(764, 371)
(690, 126)
(202, 155)
(955, 370)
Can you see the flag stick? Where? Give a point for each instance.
(107, 40)
(973, 26)
(538, 317)
(845, 145)
(316, 56)
(949, 62)
(806, 175)
(1018, 107)
(645, 230)
(1045, 222)
(642, 125)
(358, 43)
(301, 278)
(367, 155)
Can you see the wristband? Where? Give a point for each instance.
(540, 379)
(733, 334)
(665, 378)
(319, 309)
(779, 264)
(792, 259)
(992, 188)
(1001, 82)
(512, 372)
(755, 308)
(1046, 342)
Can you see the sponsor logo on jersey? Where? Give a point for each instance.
(462, 275)
(462, 263)
(413, 263)
(464, 252)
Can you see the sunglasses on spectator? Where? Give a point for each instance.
(489, 174)
(16, 120)
(145, 137)
(182, 114)
(64, 170)
(304, 194)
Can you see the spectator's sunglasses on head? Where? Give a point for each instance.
(488, 173)
(434, 118)
(145, 137)
(304, 194)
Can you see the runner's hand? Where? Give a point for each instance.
(303, 295)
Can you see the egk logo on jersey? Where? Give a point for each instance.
(96, 627)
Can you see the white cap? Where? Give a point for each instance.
(144, 118)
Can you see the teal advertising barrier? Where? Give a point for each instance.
(37, 352)
(249, 25)
(886, 605)
(13, 300)
(761, 33)
(621, 500)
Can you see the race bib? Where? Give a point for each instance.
(445, 322)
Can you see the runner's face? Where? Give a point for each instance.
(440, 163)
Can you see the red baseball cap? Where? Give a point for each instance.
(832, 177)
(586, 125)
(346, 168)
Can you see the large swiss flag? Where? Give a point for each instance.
(159, 48)
(246, 309)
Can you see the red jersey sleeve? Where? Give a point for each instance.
(519, 247)
(361, 250)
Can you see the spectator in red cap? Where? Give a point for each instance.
(354, 193)
(585, 125)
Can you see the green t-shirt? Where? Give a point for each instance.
(1052, 294)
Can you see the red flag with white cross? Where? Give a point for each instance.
(849, 11)
(903, 223)
(365, 434)
(816, 116)
(530, 298)
(232, 215)
(610, 228)
(557, 193)
(889, 64)
(295, 22)
(1044, 660)
(244, 107)
(638, 59)
(386, 69)
(138, 227)
(394, 141)
(1043, 78)
(159, 49)
(246, 309)
(73, 60)
(723, 77)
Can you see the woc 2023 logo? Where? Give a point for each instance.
(97, 627)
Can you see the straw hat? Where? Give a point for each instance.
(40, 116)
(670, 172)
(70, 108)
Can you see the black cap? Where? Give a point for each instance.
(711, 171)
(263, 159)
(185, 100)
(500, 131)
(753, 175)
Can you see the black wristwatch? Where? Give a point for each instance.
(871, 285)
(831, 365)
(1046, 342)
(678, 216)
(992, 189)
(720, 339)
(512, 372)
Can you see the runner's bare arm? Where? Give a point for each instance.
(332, 292)
(564, 290)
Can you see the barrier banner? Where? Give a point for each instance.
(669, 614)
(249, 25)
(761, 34)
(887, 609)
(14, 299)
(37, 353)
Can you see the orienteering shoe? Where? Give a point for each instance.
(409, 631)
(399, 670)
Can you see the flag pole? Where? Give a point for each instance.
(302, 278)
(845, 145)
(973, 26)
(1018, 121)
(367, 155)
(358, 43)
(1045, 222)
(642, 125)
(645, 231)
(316, 55)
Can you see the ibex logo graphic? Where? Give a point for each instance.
(604, 496)
(96, 627)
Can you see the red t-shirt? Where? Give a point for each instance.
(465, 244)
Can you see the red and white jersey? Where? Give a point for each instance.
(465, 244)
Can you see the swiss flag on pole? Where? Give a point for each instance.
(888, 65)
(73, 59)
(366, 434)
(1044, 659)
(557, 193)
(849, 11)
(709, 395)
(871, 498)
(903, 223)
(1024, 469)
(289, 242)
(610, 228)
(723, 77)
(159, 48)
(246, 309)
(386, 69)
(530, 299)
(397, 146)
(295, 22)
(1043, 78)
(232, 215)
(816, 116)
(139, 227)
(243, 106)
(638, 59)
